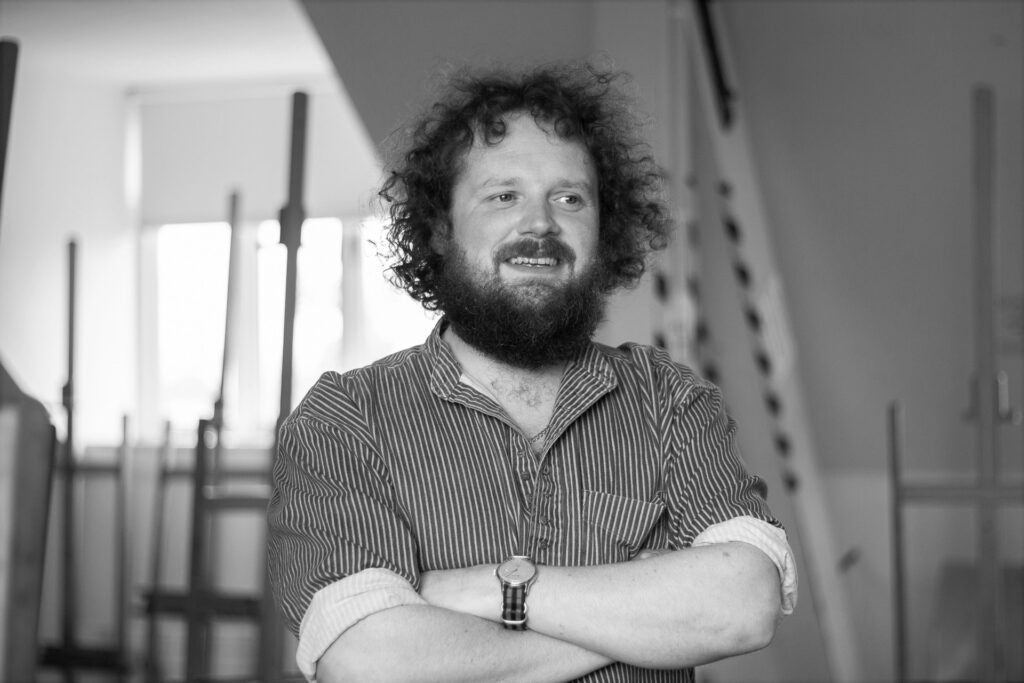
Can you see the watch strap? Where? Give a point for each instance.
(513, 606)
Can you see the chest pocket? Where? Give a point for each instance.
(617, 526)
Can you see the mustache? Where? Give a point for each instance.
(546, 247)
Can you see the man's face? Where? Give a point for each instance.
(521, 280)
(525, 211)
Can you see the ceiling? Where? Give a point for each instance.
(151, 43)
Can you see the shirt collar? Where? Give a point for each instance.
(445, 369)
(588, 376)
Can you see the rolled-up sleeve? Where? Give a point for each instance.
(333, 516)
(711, 495)
(769, 539)
(339, 606)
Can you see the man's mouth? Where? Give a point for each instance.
(534, 261)
(539, 254)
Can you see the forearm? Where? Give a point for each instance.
(683, 608)
(679, 609)
(427, 643)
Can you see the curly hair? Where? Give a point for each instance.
(578, 102)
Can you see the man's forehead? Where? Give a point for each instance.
(486, 133)
(515, 130)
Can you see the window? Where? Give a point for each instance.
(346, 315)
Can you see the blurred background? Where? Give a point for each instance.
(849, 267)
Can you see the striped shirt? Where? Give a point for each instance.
(399, 468)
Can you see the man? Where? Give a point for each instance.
(509, 500)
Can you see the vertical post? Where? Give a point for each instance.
(986, 278)
(229, 307)
(8, 65)
(152, 673)
(196, 646)
(123, 571)
(896, 517)
(291, 219)
(70, 594)
(723, 93)
(775, 352)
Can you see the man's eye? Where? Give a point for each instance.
(570, 199)
(504, 197)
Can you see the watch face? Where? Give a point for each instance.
(516, 571)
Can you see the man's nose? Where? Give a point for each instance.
(538, 219)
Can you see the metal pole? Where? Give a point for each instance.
(123, 571)
(896, 517)
(989, 632)
(229, 307)
(155, 570)
(291, 219)
(196, 619)
(8, 65)
(70, 594)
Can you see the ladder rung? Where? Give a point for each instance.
(209, 602)
(89, 467)
(963, 493)
(187, 472)
(220, 499)
(83, 658)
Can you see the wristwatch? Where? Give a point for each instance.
(516, 575)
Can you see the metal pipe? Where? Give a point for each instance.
(196, 621)
(291, 219)
(8, 67)
(985, 273)
(896, 518)
(123, 570)
(70, 594)
(155, 570)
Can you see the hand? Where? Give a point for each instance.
(470, 590)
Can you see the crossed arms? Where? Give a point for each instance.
(675, 610)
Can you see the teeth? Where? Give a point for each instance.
(523, 261)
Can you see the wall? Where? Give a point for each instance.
(65, 179)
(635, 37)
(861, 123)
(200, 143)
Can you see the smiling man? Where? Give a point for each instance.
(510, 500)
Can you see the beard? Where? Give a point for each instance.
(528, 325)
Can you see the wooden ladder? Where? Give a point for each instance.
(770, 336)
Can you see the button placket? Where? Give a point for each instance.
(543, 508)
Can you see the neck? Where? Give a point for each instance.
(509, 385)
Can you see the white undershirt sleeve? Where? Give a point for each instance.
(337, 607)
(766, 537)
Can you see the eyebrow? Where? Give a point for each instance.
(512, 181)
